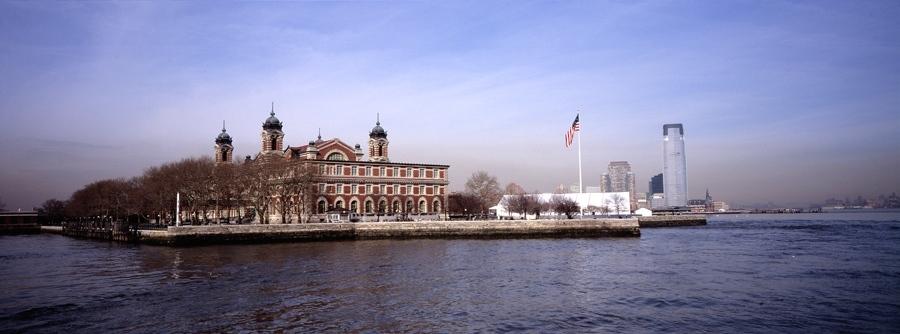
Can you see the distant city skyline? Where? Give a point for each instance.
(785, 102)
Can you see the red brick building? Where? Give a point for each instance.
(350, 180)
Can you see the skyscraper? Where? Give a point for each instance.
(656, 184)
(619, 178)
(674, 165)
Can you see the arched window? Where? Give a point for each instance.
(354, 206)
(272, 143)
(409, 206)
(382, 206)
(321, 206)
(395, 207)
(368, 206)
(336, 156)
(436, 206)
(423, 206)
(339, 204)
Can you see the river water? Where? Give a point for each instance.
(754, 273)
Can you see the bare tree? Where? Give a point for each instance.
(106, 198)
(517, 203)
(54, 210)
(618, 202)
(225, 192)
(564, 205)
(254, 178)
(463, 203)
(534, 205)
(303, 178)
(514, 189)
(485, 187)
(282, 187)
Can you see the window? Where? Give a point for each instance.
(381, 172)
(321, 188)
(340, 188)
(322, 169)
(396, 172)
(421, 190)
(381, 189)
(368, 189)
(354, 189)
(353, 170)
(409, 189)
(368, 171)
(396, 189)
(408, 172)
(336, 156)
(435, 190)
(422, 172)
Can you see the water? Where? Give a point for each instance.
(759, 273)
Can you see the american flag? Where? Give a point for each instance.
(570, 135)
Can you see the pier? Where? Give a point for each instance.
(672, 221)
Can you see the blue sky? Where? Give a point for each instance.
(789, 102)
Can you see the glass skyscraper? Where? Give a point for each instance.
(674, 165)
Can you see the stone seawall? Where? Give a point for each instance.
(52, 229)
(589, 228)
(672, 221)
(19, 229)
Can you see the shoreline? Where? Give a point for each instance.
(219, 234)
(479, 229)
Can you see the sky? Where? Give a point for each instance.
(787, 102)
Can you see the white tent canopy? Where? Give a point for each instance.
(586, 201)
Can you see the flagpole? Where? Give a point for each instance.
(580, 186)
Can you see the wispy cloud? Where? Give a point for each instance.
(475, 85)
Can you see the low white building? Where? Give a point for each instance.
(592, 204)
(643, 212)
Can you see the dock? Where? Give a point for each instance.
(672, 221)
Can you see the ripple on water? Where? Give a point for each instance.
(734, 275)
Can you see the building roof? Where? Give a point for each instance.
(272, 123)
(378, 132)
(678, 126)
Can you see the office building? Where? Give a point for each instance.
(674, 166)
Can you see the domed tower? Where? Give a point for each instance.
(272, 137)
(378, 143)
(223, 147)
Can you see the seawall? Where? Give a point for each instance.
(672, 221)
(52, 229)
(215, 234)
(7, 229)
